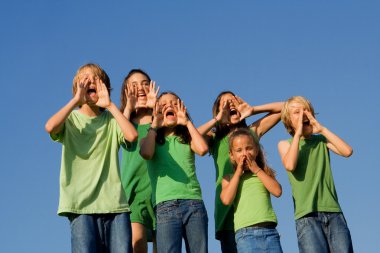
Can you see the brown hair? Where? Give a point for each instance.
(285, 114)
(260, 158)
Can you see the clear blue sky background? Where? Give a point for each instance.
(327, 51)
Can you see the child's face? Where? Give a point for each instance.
(168, 104)
(296, 110)
(243, 147)
(234, 114)
(141, 82)
(87, 75)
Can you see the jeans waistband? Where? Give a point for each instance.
(267, 224)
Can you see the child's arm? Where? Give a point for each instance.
(198, 144)
(129, 131)
(204, 130)
(289, 151)
(230, 185)
(335, 143)
(55, 124)
(270, 183)
(148, 143)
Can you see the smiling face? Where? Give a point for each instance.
(243, 147)
(140, 81)
(168, 103)
(234, 115)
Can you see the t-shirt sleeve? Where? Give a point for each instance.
(58, 137)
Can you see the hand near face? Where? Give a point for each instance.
(151, 94)
(243, 107)
(103, 96)
(223, 114)
(131, 95)
(158, 117)
(182, 118)
(240, 165)
(82, 87)
(299, 124)
(317, 128)
(252, 165)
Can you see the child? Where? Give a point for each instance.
(248, 189)
(229, 113)
(169, 146)
(138, 97)
(320, 223)
(91, 193)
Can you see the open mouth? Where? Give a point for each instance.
(233, 112)
(141, 95)
(91, 91)
(170, 113)
(306, 123)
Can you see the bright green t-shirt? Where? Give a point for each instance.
(312, 181)
(172, 172)
(136, 182)
(90, 178)
(252, 203)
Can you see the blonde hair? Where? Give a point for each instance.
(285, 114)
(97, 71)
(260, 158)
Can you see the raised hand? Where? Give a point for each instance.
(243, 107)
(252, 166)
(103, 96)
(240, 165)
(131, 95)
(182, 118)
(317, 127)
(82, 87)
(151, 94)
(299, 128)
(223, 114)
(158, 117)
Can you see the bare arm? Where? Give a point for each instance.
(270, 183)
(55, 124)
(230, 185)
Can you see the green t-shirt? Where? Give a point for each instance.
(219, 149)
(172, 172)
(252, 203)
(90, 178)
(135, 179)
(312, 182)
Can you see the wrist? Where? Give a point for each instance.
(110, 106)
(257, 171)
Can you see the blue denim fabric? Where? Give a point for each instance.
(177, 219)
(227, 241)
(258, 239)
(321, 232)
(92, 233)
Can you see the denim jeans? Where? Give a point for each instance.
(227, 241)
(182, 218)
(92, 233)
(321, 232)
(258, 240)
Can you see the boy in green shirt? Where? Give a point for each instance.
(321, 226)
(91, 193)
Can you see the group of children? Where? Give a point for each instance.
(155, 194)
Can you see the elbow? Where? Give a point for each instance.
(131, 136)
(225, 201)
(203, 151)
(145, 155)
(49, 127)
(277, 192)
(348, 152)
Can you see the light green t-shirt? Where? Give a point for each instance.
(312, 181)
(252, 203)
(172, 172)
(90, 178)
(220, 153)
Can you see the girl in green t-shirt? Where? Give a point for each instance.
(138, 97)
(170, 145)
(229, 113)
(248, 190)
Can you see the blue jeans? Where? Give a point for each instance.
(258, 239)
(321, 232)
(92, 233)
(182, 218)
(227, 241)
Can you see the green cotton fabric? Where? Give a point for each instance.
(90, 178)
(312, 181)
(252, 203)
(136, 182)
(219, 150)
(172, 172)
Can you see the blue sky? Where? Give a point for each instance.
(264, 51)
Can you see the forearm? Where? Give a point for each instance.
(205, 128)
(129, 131)
(198, 143)
(127, 113)
(229, 189)
(148, 145)
(290, 158)
(270, 183)
(271, 107)
(55, 124)
(337, 144)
